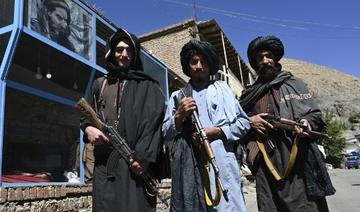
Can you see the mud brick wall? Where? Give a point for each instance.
(46, 198)
(58, 198)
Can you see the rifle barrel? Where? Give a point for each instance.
(291, 123)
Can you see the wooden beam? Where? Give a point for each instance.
(224, 48)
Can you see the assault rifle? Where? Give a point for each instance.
(288, 124)
(208, 150)
(120, 145)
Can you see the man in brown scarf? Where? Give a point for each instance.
(290, 171)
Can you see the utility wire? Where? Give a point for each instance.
(264, 19)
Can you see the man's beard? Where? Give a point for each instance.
(268, 72)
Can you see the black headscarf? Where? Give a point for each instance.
(122, 34)
(204, 48)
(135, 70)
(270, 43)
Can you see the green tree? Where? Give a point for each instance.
(335, 144)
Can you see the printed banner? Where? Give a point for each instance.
(64, 22)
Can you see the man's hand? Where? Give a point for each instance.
(186, 106)
(259, 124)
(95, 136)
(138, 167)
(212, 133)
(300, 131)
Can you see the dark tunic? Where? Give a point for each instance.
(288, 97)
(115, 187)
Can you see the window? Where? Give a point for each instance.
(6, 12)
(4, 40)
(103, 31)
(41, 136)
(100, 54)
(156, 70)
(42, 67)
(41, 139)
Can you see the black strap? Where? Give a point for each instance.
(119, 99)
(98, 99)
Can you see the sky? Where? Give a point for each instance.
(323, 32)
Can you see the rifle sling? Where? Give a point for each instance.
(290, 164)
(210, 201)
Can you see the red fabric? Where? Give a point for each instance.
(17, 178)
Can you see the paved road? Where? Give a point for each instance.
(346, 198)
(347, 185)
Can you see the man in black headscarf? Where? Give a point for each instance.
(133, 103)
(282, 185)
(224, 122)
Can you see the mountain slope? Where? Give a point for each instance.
(333, 89)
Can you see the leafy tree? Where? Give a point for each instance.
(335, 144)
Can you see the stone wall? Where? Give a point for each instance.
(167, 49)
(46, 198)
(165, 192)
(75, 197)
(59, 198)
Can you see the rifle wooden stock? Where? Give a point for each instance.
(208, 149)
(86, 110)
(203, 137)
(209, 152)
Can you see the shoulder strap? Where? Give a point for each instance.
(99, 98)
(290, 164)
(102, 88)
